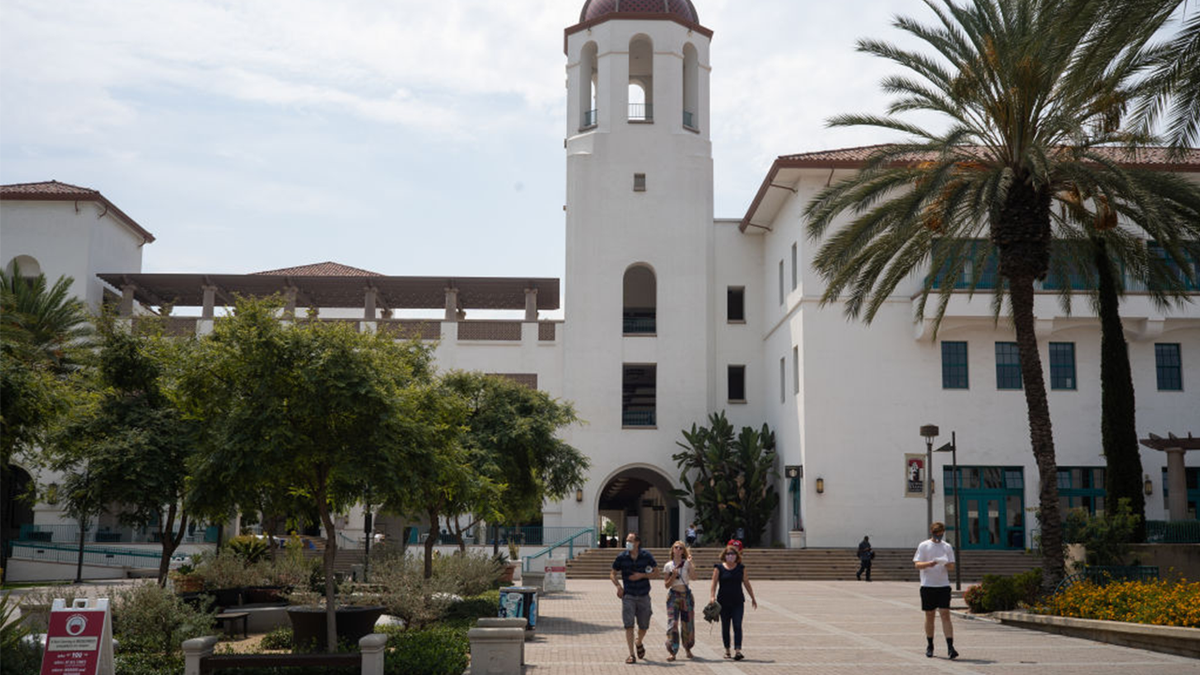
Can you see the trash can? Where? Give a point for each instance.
(519, 602)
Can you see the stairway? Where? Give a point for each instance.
(816, 564)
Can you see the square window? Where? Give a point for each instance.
(1169, 365)
(639, 395)
(1008, 366)
(639, 182)
(1062, 365)
(737, 383)
(735, 304)
(954, 365)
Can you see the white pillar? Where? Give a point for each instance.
(194, 650)
(1177, 484)
(372, 647)
(451, 304)
(531, 313)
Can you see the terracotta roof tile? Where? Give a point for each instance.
(53, 190)
(321, 269)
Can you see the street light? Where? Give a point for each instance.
(929, 432)
(952, 448)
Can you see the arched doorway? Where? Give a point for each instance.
(15, 509)
(639, 499)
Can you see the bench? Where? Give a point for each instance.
(229, 620)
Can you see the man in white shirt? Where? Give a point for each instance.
(935, 560)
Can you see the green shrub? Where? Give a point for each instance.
(1106, 537)
(471, 574)
(149, 619)
(436, 651)
(474, 607)
(974, 598)
(147, 664)
(19, 655)
(278, 638)
(998, 593)
(249, 548)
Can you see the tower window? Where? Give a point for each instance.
(735, 304)
(639, 182)
(737, 383)
(640, 313)
(1168, 365)
(638, 395)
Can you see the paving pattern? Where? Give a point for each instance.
(808, 627)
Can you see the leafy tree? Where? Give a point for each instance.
(1032, 92)
(314, 406)
(44, 331)
(729, 480)
(129, 448)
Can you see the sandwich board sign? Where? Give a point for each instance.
(79, 639)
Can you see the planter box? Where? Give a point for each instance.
(308, 625)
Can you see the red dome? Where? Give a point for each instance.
(683, 9)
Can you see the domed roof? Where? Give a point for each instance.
(595, 9)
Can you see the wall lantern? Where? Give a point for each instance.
(1148, 485)
(579, 495)
(820, 486)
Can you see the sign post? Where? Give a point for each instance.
(79, 639)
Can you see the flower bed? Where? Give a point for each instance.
(1159, 603)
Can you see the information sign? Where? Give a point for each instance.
(79, 639)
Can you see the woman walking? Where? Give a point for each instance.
(681, 605)
(729, 576)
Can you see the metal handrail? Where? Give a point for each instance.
(589, 119)
(569, 542)
(92, 555)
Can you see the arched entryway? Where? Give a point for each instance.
(15, 509)
(638, 498)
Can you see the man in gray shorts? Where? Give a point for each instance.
(636, 568)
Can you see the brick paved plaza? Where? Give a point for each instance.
(819, 627)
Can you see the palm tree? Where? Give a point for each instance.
(1174, 86)
(1032, 93)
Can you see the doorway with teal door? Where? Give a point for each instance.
(990, 513)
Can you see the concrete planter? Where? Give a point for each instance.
(1165, 639)
(308, 625)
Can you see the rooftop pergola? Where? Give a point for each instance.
(371, 292)
(1175, 447)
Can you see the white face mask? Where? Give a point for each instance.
(629, 546)
(731, 557)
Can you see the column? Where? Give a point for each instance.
(451, 304)
(210, 300)
(369, 303)
(289, 310)
(1177, 484)
(531, 313)
(127, 292)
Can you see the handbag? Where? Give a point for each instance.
(712, 611)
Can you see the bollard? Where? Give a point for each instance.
(194, 650)
(496, 651)
(497, 622)
(373, 647)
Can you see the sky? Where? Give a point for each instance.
(406, 137)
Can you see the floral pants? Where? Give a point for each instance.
(681, 620)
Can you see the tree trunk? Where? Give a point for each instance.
(1041, 434)
(430, 541)
(1118, 410)
(330, 587)
(169, 543)
(83, 526)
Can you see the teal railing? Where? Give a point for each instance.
(1102, 575)
(92, 555)
(1173, 531)
(568, 543)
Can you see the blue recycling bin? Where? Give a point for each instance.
(519, 602)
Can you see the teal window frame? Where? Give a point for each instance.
(955, 368)
(1082, 487)
(1062, 366)
(1168, 366)
(1008, 366)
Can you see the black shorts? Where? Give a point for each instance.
(935, 597)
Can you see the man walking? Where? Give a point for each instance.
(865, 555)
(935, 559)
(636, 568)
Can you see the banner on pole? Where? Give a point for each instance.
(914, 475)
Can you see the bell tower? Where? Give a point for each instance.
(639, 219)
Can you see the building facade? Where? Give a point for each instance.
(672, 314)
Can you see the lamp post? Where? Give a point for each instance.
(929, 432)
(952, 448)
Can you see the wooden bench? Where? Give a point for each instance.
(229, 619)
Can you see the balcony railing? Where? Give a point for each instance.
(639, 325)
(67, 534)
(689, 119)
(589, 119)
(641, 112)
(508, 331)
(637, 418)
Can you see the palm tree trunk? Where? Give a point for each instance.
(1118, 410)
(1041, 434)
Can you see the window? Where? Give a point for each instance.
(781, 289)
(954, 365)
(735, 304)
(1008, 366)
(638, 395)
(639, 182)
(737, 383)
(1169, 365)
(1081, 487)
(691, 87)
(783, 380)
(1062, 365)
(641, 79)
(795, 274)
(795, 370)
(588, 76)
(639, 314)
